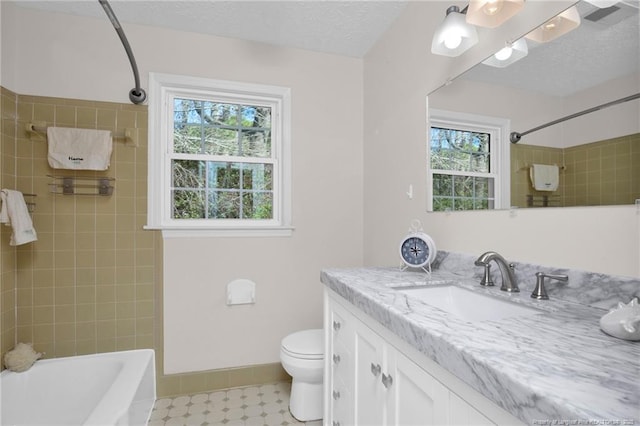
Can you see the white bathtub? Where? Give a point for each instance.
(115, 388)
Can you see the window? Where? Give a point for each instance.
(219, 156)
(468, 162)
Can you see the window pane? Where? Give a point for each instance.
(442, 184)
(188, 204)
(257, 205)
(460, 150)
(185, 111)
(224, 204)
(255, 116)
(219, 141)
(256, 143)
(223, 175)
(442, 204)
(463, 186)
(220, 114)
(188, 174)
(257, 177)
(187, 139)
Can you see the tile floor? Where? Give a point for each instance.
(265, 405)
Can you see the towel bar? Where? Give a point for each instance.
(31, 205)
(66, 185)
(130, 135)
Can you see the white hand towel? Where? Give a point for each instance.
(545, 177)
(79, 149)
(15, 213)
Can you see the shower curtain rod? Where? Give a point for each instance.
(515, 136)
(136, 95)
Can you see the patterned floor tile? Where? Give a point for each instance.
(266, 405)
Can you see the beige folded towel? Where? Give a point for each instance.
(545, 177)
(79, 149)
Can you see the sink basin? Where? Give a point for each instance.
(468, 305)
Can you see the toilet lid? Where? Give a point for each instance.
(305, 343)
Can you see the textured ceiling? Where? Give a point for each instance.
(348, 28)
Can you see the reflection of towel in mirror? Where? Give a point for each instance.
(79, 149)
(14, 213)
(545, 177)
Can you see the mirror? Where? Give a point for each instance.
(597, 154)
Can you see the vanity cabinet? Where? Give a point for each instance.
(372, 379)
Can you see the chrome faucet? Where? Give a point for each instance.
(506, 270)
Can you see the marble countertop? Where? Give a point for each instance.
(556, 367)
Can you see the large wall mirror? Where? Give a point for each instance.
(597, 155)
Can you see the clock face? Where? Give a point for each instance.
(415, 251)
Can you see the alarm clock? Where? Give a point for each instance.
(417, 249)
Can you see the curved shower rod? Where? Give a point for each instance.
(515, 136)
(137, 95)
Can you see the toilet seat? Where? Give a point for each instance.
(306, 344)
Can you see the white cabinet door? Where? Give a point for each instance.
(418, 398)
(369, 393)
(339, 366)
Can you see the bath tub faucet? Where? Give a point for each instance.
(506, 270)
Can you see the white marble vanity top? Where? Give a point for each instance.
(556, 367)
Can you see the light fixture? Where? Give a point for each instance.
(454, 36)
(509, 54)
(556, 26)
(492, 13)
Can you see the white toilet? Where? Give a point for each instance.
(302, 356)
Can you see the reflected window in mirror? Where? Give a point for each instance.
(467, 162)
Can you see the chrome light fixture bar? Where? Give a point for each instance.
(492, 13)
(509, 54)
(454, 36)
(556, 26)
(602, 4)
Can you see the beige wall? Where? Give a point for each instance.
(87, 284)
(201, 332)
(399, 73)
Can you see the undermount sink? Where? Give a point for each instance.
(466, 304)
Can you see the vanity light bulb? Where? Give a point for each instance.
(504, 53)
(552, 24)
(452, 41)
(492, 7)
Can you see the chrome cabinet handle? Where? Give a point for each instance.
(387, 381)
(336, 395)
(336, 325)
(375, 369)
(336, 359)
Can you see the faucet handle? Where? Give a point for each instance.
(486, 279)
(540, 292)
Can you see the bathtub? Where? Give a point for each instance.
(114, 388)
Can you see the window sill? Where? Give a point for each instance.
(204, 232)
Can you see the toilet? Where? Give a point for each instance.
(302, 356)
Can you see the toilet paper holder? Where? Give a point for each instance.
(241, 292)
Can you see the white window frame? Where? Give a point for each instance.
(163, 88)
(498, 128)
